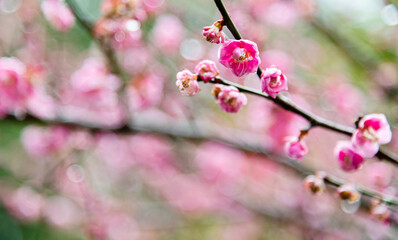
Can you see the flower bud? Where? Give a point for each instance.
(214, 33)
(349, 193)
(295, 148)
(315, 184)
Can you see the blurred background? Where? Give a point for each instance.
(174, 174)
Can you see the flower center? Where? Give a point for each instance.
(239, 54)
(185, 82)
(370, 134)
(275, 81)
(232, 101)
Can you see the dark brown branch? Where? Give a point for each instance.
(287, 104)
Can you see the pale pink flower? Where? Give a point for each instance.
(348, 157)
(62, 212)
(168, 33)
(295, 148)
(241, 56)
(187, 83)
(273, 81)
(92, 96)
(14, 87)
(145, 92)
(214, 33)
(41, 104)
(25, 204)
(58, 14)
(229, 98)
(39, 142)
(373, 129)
(207, 70)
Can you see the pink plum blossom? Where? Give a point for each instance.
(58, 14)
(14, 87)
(25, 204)
(168, 33)
(214, 33)
(348, 156)
(39, 142)
(241, 56)
(62, 212)
(187, 83)
(145, 92)
(92, 95)
(207, 70)
(229, 98)
(295, 148)
(373, 129)
(273, 81)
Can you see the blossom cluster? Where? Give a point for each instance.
(373, 130)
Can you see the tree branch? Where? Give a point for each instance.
(178, 130)
(287, 104)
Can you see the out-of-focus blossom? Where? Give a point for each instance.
(123, 33)
(379, 174)
(348, 192)
(118, 8)
(92, 95)
(315, 183)
(348, 156)
(214, 161)
(273, 81)
(373, 129)
(14, 87)
(58, 14)
(229, 98)
(207, 70)
(187, 83)
(295, 148)
(25, 204)
(214, 33)
(380, 210)
(115, 152)
(40, 142)
(241, 56)
(168, 33)
(41, 104)
(281, 14)
(345, 98)
(145, 92)
(277, 58)
(62, 212)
